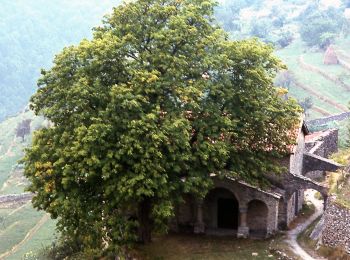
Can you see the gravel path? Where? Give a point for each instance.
(293, 234)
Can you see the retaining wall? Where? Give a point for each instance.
(15, 197)
(336, 226)
(325, 120)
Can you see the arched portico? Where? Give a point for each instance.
(226, 209)
(221, 209)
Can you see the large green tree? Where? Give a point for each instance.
(157, 101)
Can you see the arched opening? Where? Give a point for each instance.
(221, 209)
(315, 199)
(227, 213)
(257, 218)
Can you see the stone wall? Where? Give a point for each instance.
(290, 209)
(15, 197)
(14, 200)
(257, 216)
(294, 205)
(296, 158)
(336, 226)
(300, 199)
(325, 120)
(323, 144)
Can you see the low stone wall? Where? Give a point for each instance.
(336, 226)
(325, 120)
(10, 198)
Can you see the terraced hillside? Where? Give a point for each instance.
(23, 230)
(327, 85)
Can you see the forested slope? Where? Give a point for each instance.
(32, 31)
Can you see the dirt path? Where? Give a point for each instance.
(293, 234)
(28, 236)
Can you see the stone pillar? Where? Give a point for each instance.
(199, 227)
(243, 229)
(325, 198)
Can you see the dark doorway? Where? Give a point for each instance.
(227, 213)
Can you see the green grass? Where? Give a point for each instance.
(15, 227)
(42, 239)
(193, 247)
(27, 217)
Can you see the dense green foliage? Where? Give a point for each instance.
(320, 28)
(146, 111)
(32, 31)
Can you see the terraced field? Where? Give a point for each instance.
(23, 230)
(327, 85)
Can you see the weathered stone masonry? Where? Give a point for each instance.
(336, 226)
(237, 208)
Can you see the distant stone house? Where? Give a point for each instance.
(237, 208)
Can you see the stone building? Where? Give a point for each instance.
(234, 207)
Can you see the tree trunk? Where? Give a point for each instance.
(145, 226)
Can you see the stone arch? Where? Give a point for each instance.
(296, 182)
(257, 217)
(228, 185)
(221, 209)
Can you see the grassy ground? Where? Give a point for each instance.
(15, 226)
(339, 182)
(192, 247)
(40, 240)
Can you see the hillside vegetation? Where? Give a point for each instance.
(23, 230)
(32, 31)
(301, 31)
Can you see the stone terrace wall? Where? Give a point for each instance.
(15, 197)
(336, 229)
(325, 120)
